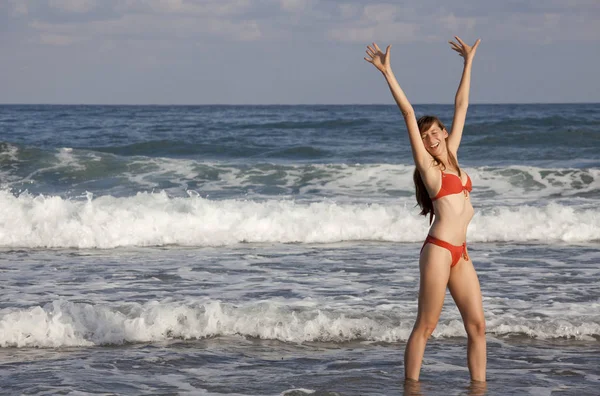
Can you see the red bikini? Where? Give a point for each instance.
(451, 185)
(455, 251)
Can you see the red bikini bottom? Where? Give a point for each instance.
(455, 251)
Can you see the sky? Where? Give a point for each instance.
(294, 51)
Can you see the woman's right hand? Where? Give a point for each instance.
(378, 59)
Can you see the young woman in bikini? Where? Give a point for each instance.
(442, 189)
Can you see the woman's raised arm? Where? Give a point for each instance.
(461, 101)
(382, 62)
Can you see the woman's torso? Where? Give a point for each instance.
(453, 211)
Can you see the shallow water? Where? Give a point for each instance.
(236, 365)
(264, 319)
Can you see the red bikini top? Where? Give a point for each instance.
(452, 185)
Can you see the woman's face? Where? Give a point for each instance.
(434, 140)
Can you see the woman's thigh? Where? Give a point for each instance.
(434, 265)
(466, 292)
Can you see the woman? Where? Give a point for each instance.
(442, 189)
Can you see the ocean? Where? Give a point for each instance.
(273, 250)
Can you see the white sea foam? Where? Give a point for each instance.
(339, 180)
(63, 323)
(8, 153)
(549, 223)
(297, 392)
(522, 183)
(513, 183)
(155, 219)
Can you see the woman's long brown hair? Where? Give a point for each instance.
(421, 193)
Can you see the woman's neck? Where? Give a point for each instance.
(445, 165)
(443, 160)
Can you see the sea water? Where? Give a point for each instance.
(269, 250)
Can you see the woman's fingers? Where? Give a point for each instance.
(376, 57)
(460, 41)
(463, 49)
(455, 46)
(376, 51)
(371, 53)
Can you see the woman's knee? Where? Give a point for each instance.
(424, 329)
(475, 328)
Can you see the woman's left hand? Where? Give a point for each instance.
(378, 59)
(467, 52)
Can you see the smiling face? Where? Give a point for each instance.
(434, 139)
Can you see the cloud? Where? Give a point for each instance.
(348, 21)
(544, 28)
(18, 7)
(397, 31)
(147, 20)
(75, 6)
(428, 20)
(147, 27)
(452, 23)
(57, 39)
(348, 10)
(170, 5)
(294, 5)
(393, 23)
(378, 21)
(164, 50)
(380, 13)
(214, 8)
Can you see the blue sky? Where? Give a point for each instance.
(294, 51)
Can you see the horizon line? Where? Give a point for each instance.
(285, 104)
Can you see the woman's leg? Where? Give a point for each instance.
(465, 290)
(434, 266)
